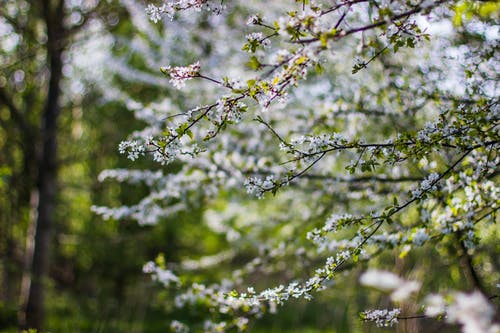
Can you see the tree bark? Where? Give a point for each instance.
(34, 312)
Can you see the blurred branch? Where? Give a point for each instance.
(470, 271)
(20, 59)
(15, 113)
(21, 29)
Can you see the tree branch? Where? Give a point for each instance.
(15, 113)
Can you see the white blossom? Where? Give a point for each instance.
(473, 312)
(178, 327)
(179, 75)
(133, 149)
(420, 236)
(434, 305)
(382, 318)
(386, 281)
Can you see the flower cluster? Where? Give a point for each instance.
(254, 40)
(386, 281)
(254, 19)
(133, 149)
(165, 276)
(178, 327)
(382, 318)
(471, 310)
(257, 186)
(179, 75)
(419, 237)
(317, 143)
(428, 184)
(155, 13)
(171, 7)
(332, 224)
(228, 110)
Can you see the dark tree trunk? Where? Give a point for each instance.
(47, 167)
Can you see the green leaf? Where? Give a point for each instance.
(254, 63)
(318, 68)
